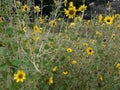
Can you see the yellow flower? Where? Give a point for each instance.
(52, 22)
(54, 69)
(109, 20)
(100, 18)
(98, 33)
(88, 22)
(20, 76)
(1, 19)
(50, 81)
(117, 16)
(69, 50)
(89, 51)
(74, 62)
(36, 29)
(100, 77)
(41, 20)
(113, 36)
(85, 44)
(25, 29)
(26, 8)
(37, 39)
(65, 72)
(59, 19)
(65, 2)
(78, 18)
(36, 9)
(118, 66)
(71, 12)
(82, 8)
(72, 24)
(18, 3)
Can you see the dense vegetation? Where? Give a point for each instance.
(54, 53)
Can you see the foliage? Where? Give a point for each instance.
(55, 53)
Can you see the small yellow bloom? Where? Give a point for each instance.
(117, 16)
(50, 81)
(100, 77)
(59, 19)
(72, 24)
(25, 29)
(65, 2)
(82, 8)
(18, 4)
(78, 18)
(54, 69)
(41, 20)
(98, 33)
(109, 20)
(65, 72)
(118, 66)
(88, 22)
(37, 29)
(69, 50)
(85, 44)
(100, 18)
(89, 51)
(1, 19)
(113, 36)
(74, 62)
(20, 76)
(71, 12)
(36, 9)
(52, 22)
(26, 8)
(37, 39)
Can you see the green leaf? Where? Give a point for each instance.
(2, 51)
(9, 31)
(36, 51)
(46, 46)
(16, 63)
(3, 67)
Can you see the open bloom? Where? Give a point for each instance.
(109, 20)
(118, 66)
(36, 9)
(26, 8)
(54, 69)
(74, 62)
(89, 51)
(20, 76)
(37, 29)
(65, 72)
(71, 12)
(82, 8)
(50, 81)
(69, 50)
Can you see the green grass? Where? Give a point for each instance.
(38, 53)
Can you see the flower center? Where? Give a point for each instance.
(90, 50)
(20, 76)
(108, 20)
(71, 12)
